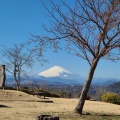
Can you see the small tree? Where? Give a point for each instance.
(15, 58)
(89, 28)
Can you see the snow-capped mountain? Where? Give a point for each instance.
(61, 75)
(58, 71)
(54, 72)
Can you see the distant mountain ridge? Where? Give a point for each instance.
(57, 72)
(60, 76)
(115, 87)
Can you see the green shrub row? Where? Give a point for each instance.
(111, 98)
(49, 94)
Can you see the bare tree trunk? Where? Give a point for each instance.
(17, 84)
(17, 79)
(86, 87)
(19, 70)
(18, 87)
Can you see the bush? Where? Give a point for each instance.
(25, 90)
(87, 98)
(111, 98)
(9, 88)
(55, 95)
(49, 94)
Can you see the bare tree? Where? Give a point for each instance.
(89, 28)
(15, 58)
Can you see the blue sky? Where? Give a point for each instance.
(19, 18)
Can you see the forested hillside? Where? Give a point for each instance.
(115, 87)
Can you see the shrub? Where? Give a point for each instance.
(87, 98)
(9, 88)
(25, 90)
(48, 93)
(55, 95)
(111, 98)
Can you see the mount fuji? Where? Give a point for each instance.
(58, 71)
(54, 72)
(58, 74)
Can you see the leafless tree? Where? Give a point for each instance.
(15, 58)
(90, 29)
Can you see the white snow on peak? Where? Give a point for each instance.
(53, 72)
(65, 75)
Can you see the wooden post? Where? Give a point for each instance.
(2, 76)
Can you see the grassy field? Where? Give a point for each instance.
(16, 105)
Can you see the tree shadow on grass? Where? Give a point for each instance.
(86, 116)
(101, 114)
(108, 115)
(4, 106)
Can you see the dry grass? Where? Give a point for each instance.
(22, 106)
